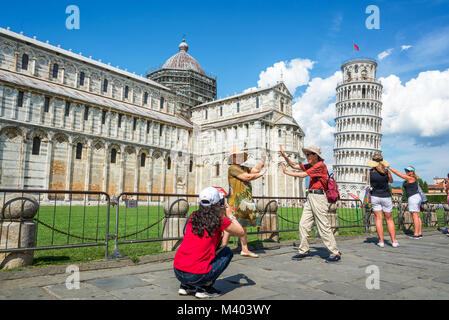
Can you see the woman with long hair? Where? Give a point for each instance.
(197, 262)
(414, 198)
(379, 179)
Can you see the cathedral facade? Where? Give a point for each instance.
(68, 122)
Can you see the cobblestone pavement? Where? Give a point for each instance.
(418, 269)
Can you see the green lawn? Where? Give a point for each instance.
(90, 222)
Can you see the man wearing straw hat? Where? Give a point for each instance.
(317, 207)
(240, 173)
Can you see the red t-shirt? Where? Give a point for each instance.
(195, 254)
(318, 175)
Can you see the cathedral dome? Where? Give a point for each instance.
(183, 61)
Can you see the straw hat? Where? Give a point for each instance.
(377, 159)
(313, 149)
(237, 156)
(235, 150)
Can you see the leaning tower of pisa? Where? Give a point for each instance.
(358, 125)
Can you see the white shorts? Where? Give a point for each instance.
(414, 203)
(382, 204)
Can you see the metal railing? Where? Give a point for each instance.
(76, 219)
(64, 219)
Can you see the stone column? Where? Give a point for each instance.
(164, 172)
(89, 160)
(22, 161)
(106, 167)
(122, 169)
(16, 64)
(53, 111)
(137, 170)
(48, 164)
(62, 74)
(69, 168)
(33, 67)
(150, 166)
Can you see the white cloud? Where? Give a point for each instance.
(384, 54)
(315, 112)
(294, 73)
(420, 108)
(405, 47)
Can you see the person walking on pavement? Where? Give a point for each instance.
(317, 205)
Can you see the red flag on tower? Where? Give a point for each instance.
(356, 47)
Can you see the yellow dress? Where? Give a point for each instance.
(241, 195)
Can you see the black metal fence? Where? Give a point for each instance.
(74, 219)
(63, 219)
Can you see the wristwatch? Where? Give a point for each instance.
(232, 218)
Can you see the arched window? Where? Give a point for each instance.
(55, 71)
(79, 151)
(217, 170)
(82, 77)
(113, 156)
(143, 157)
(36, 146)
(25, 60)
(162, 103)
(168, 163)
(145, 98)
(105, 85)
(126, 92)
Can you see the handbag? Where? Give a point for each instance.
(367, 197)
(423, 196)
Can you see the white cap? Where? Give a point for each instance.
(209, 196)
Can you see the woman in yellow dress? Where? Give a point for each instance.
(240, 174)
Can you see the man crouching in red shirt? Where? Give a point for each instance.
(317, 206)
(197, 263)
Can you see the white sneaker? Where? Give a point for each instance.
(381, 244)
(395, 244)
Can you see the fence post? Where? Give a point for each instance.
(116, 253)
(17, 230)
(333, 218)
(446, 214)
(175, 212)
(270, 219)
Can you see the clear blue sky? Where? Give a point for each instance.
(236, 40)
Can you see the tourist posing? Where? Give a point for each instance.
(413, 197)
(317, 206)
(379, 179)
(197, 264)
(240, 174)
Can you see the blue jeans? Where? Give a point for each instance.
(219, 265)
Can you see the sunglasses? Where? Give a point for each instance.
(310, 154)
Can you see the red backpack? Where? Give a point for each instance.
(332, 189)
